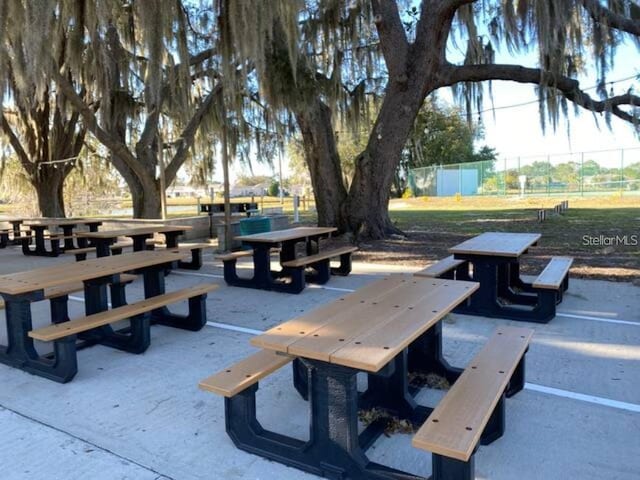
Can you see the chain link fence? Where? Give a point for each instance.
(577, 174)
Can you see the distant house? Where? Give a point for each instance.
(248, 191)
(176, 191)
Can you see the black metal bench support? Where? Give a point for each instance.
(40, 248)
(263, 277)
(334, 447)
(134, 339)
(154, 285)
(20, 351)
(493, 276)
(196, 260)
(445, 468)
(426, 355)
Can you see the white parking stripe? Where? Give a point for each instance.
(607, 402)
(597, 319)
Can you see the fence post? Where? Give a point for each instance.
(621, 170)
(582, 174)
(504, 178)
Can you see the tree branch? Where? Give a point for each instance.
(599, 13)
(568, 87)
(188, 134)
(393, 40)
(17, 146)
(118, 148)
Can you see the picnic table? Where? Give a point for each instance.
(262, 245)
(20, 289)
(38, 226)
(495, 257)
(104, 239)
(368, 331)
(16, 223)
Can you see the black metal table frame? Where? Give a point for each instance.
(67, 231)
(499, 279)
(61, 365)
(40, 248)
(263, 277)
(335, 449)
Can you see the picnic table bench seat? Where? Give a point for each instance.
(555, 275)
(137, 339)
(448, 267)
(321, 263)
(236, 378)
(473, 410)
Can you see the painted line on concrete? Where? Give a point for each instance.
(235, 328)
(335, 289)
(597, 319)
(194, 274)
(607, 402)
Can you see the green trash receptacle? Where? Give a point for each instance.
(251, 225)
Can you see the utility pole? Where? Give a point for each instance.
(225, 173)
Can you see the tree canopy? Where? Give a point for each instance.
(256, 72)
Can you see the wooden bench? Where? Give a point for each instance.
(320, 262)
(448, 267)
(554, 277)
(57, 296)
(236, 378)
(138, 335)
(473, 410)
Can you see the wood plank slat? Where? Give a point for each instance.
(502, 244)
(554, 273)
(440, 267)
(277, 236)
(82, 324)
(373, 349)
(41, 278)
(237, 377)
(279, 338)
(125, 232)
(349, 325)
(323, 255)
(454, 428)
(60, 290)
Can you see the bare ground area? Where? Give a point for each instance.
(602, 234)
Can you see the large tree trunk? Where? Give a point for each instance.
(49, 184)
(145, 192)
(146, 201)
(322, 158)
(366, 211)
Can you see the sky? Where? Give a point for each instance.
(516, 132)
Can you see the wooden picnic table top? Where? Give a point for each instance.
(497, 244)
(368, 328)
(47, 277)
(278, 236)
(46, 222)
(131, 231)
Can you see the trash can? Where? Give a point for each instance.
(251, 225)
